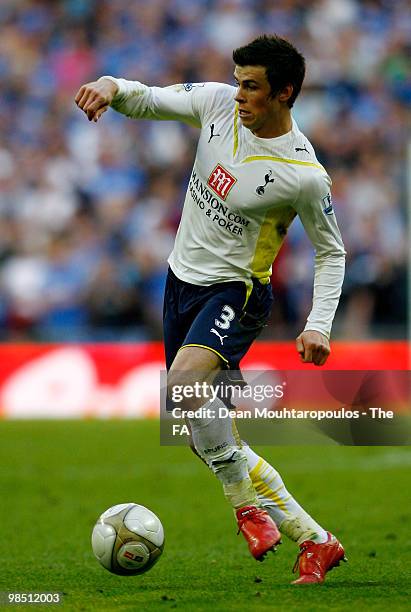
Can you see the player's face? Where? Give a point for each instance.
(257, 109)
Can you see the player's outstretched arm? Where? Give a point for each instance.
(190, 103)
(94, 98)
(316, 213)
(313, 347)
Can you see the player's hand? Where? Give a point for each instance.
(95, 98)
(313, 347)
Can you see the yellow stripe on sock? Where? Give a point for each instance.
(254, 473)
(265, 472)
(263, 488)
(260, 471)
(265, 491)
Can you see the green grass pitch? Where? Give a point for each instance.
(57, 477)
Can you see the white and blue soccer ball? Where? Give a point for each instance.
(128, 539)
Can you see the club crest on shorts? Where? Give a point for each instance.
(221, 181)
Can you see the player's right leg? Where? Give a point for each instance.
(215, 443)
(195, 342)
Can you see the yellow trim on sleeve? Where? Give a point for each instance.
(282, 160)
(206, 347)
(235, 130)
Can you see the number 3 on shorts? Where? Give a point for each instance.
(227, 315)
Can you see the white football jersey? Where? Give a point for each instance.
(243, 194)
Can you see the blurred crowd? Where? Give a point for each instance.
(88, 212)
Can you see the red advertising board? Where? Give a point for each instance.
(123, 380)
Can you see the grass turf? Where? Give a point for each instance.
(57, 477)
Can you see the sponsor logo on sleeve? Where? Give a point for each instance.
(327, 205)
(190, 86)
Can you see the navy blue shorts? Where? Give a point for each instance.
(224, 318)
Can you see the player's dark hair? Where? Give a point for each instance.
(283, 63)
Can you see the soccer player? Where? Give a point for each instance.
(254, 172)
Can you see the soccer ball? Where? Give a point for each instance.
(128, 539)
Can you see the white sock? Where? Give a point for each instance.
(215, 442)
(290, 517)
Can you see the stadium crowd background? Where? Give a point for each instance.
(88, 212)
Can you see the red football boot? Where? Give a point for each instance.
(259, 530)
(315, 560)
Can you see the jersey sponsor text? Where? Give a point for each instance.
(214, 209)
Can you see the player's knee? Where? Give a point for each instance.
(185, 388)
(179, 386)
(190, 375)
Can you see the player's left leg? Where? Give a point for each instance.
(292, 520)
(320, 551)
(315, 560)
